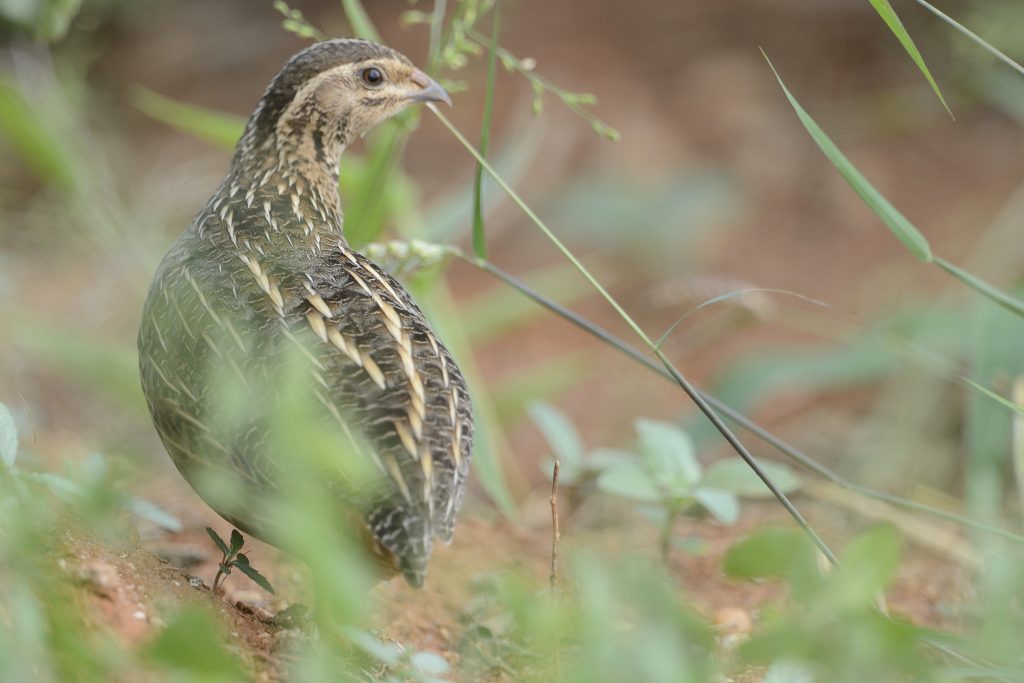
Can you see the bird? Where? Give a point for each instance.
(264, 275)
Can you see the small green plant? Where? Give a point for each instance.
(234, 558)
(667, 475)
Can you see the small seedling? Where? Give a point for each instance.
(234, 558)
(668, 477)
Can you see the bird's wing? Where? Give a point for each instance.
(384, 375)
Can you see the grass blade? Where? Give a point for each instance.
(253, 573)
(974, 37)
(359, 20)
(688, 388)
(902, 228)
(219, 129)
(366, 212)
(1018, 408)
(739, 418)
(1005, 300)
(436, 31)
(891, 20)
(479, 240)
(36, 143)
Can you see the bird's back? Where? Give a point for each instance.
(261, 291)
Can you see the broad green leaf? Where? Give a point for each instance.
(561, 435)
(891, 20)
(218, 541)
(723, 505)
(867, 566)
(668, 451)
(191, 647)
(735, 476)
(252, 573)
(8, 438)
(237, 541)
(902, 228)
(629, 480)
(218, 128)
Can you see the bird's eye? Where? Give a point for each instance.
(372, 76)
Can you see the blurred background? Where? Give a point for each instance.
(116, 123)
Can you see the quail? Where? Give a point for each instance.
(263, 271)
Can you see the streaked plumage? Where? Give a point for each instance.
(263, 275)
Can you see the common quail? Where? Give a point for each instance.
(264, 270)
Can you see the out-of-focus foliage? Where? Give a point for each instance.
(608, 620)
(34, 137)
(621, 619)
(829, 626)
(45, 19)
(665, 475)
(50, 20)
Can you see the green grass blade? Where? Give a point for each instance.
(366, 211)
(677, 376)
(1007, 301)
(754, 428)
(1005, 402)
(360, 20)
(219, 129)
(35, 142)
(479, 240)
(902, 228)
(974, 37)
(436, 33)
(891, 20)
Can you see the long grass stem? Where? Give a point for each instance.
(683, 383)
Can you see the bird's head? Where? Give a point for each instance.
(336, 91)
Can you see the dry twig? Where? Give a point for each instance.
(556, 534)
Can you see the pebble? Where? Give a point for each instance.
(99, 577)
(734, 625)
(140, 615)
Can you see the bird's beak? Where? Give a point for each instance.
(427, 89)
